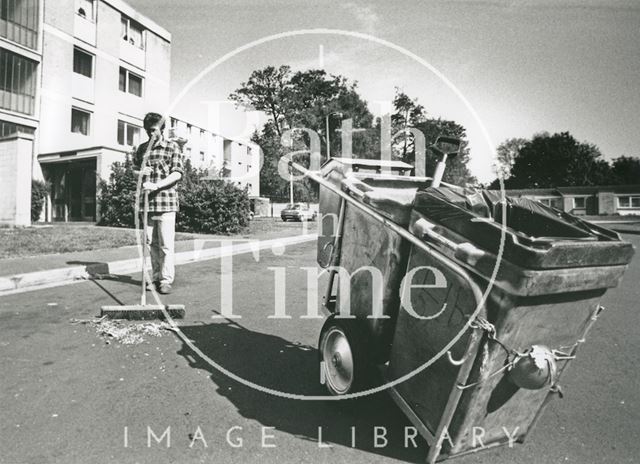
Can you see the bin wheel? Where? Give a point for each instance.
(342, 349)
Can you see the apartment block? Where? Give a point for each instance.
(104, 66)
(76, 79)
(238, 161)
(20, 63)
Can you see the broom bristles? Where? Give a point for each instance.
(142, 312)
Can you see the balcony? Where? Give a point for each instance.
(84, 29)
(132, 54)
(83, 87)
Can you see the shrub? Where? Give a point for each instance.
(211, 205)
(207, 205)
(117, 196)
(39, 191)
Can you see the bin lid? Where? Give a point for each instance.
(536, 236)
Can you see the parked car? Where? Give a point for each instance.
(298, 212)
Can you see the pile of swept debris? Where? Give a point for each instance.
(125, 332)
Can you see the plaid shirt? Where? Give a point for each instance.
(164, 158)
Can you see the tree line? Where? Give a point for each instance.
(559, 160)
(304, 99)
(314, 99)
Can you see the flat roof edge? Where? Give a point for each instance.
(147, 22)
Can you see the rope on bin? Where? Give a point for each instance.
(490, 329)
(514, 355)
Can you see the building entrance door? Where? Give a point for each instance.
(73, 193)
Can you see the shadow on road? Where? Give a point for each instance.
(276, 363)
(100, 271)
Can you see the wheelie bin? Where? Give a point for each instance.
(484, 300)
(540, 299)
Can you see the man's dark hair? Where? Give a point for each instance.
(151, 119)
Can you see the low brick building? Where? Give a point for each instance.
(592, 200)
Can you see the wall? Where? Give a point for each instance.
(606, 203)
(15, 190)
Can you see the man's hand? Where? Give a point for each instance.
(150, 186)
(146, 171)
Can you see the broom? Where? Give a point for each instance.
(143, 311)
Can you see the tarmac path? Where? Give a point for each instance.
(68, 396)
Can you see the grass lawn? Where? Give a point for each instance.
(65, 238)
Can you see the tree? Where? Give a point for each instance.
(267, 90)
(304, 100)
(557, 160)
(626, 170)
(408, 113)
(506, 153)
(300, 100)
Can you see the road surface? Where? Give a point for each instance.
(69, 396)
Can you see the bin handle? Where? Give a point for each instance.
(356, 188)
(324, 250)
(466, 251)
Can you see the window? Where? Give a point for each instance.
(80, 121)
(188, 153)
(552, 202)
(85, 9)
(82, 62)
(8, 129)
(580, 202)
(135, 85)
(19, 21)
(130, 83)
(201, 156)
(128, 134)
(629, 202)
(132, 32)
(17, 82)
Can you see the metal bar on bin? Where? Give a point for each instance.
(464, 371)
(337, 240)
(454, 397)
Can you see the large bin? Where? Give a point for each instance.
(554, 270)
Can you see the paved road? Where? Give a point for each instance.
(67, 396)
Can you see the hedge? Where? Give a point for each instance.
(39, 191)
(212, 206)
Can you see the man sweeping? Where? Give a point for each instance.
(161, 164)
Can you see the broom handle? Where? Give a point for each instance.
(145, 212)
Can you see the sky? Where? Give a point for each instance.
(522, 66)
